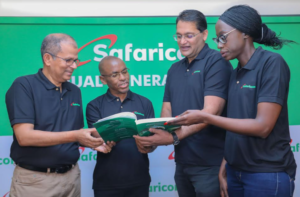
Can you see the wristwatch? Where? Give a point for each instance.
(175, 139)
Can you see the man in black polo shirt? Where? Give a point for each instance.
(124, 171)
(199, 81)
(45, 112)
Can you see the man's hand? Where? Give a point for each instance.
(85, 138)
(105, 147)
(144, 149)
(189, 117)
(159, 138)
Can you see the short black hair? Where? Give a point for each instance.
(193, 16)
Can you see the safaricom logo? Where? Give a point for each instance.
(127, 53)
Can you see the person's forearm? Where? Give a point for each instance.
(186, 131)
(251, 127)
(222, 171)
(166, 113)
(46, 138)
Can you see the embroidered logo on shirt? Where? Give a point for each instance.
(75, 104)
(137, 113)
(248, 86)
(196, 71)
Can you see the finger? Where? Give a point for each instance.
(222, 193)
(226, 193)
(156, 131)
(110, 144)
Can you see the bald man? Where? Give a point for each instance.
(124, 171)
(45, 112)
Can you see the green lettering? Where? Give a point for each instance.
(170, 188)
(293, 148)
(159, 188)
(0, 161)
(155, 188)
(84, 157)
(6, 161)
(95, 157)
(150, 188)
(163, 188)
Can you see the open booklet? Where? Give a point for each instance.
(125, 125)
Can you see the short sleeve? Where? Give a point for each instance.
(217, 79)
(92, 114)
(274, 81)
(20, 103)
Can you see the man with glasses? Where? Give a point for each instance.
(124, 171)
(199, 81)
(45, 111)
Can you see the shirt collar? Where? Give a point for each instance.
(252, 63)
(48, 84)
(111, 97)
(201, 55)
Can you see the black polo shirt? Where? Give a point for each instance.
(187, 85)
(265, 78)
(124, 166)
(34, 99)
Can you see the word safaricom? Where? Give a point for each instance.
(138, 54)
(91, 156)
(295, 148)
(162, 188)
(6, 161)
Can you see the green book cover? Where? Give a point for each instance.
(125, 125)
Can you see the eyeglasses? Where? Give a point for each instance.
(222, 38)
(186, 36)
(69, 62)
(116, 75)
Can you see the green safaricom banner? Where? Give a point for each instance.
(147, 47)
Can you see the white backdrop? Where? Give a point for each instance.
(162, 168)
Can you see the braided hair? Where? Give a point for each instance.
(247, 20)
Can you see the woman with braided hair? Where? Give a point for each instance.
(258, 157)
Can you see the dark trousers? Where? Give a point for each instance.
(197, 181)
(139, 191)
(252, 184)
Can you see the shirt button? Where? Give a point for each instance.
(117, 99)
(188, 70)
(237, 82)
(56, 89)
(121, 106)
(61, 98)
